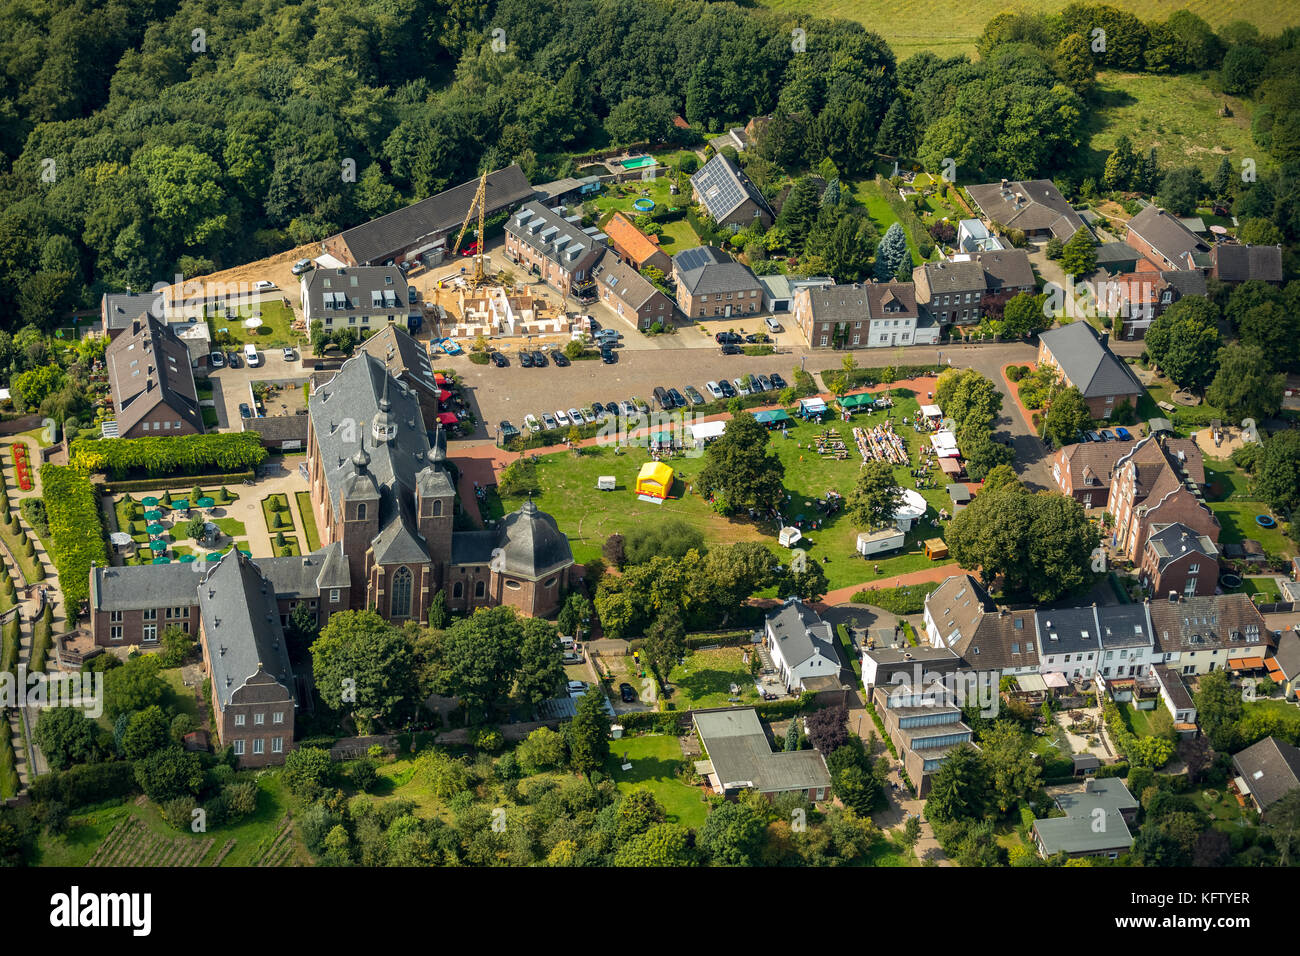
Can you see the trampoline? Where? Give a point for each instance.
(1265, 521)
(644, 205)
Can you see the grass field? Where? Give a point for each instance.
(911, 26)
(254, 835)
(675, 236)
(655, 760)
(568, 493)
(705, 679)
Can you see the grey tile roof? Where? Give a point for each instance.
(532, 542)
(839, 303)
(405, 357)
(135, 587)
(362, 290)
(1170, 542)
(623, 281)
(1271, 769)
(1091, 367)
(742, 757)
(1237, 263)
(473, 547)
(1208, 622)
(552, 235)
(278, 428)
(707, 270)
(722, 187)
(956, 606)
(1287, 654)
(891, 300)
(1006, 269)
(307, 575)
(945, 277)
(1067, 631)
(800, 633)
(120, 308)
(382, 238)
(1076, 832)
(1167, 236)
(1031, 206)
(1174, 686)
(241, 627)
(149, 366)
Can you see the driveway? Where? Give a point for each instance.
(230, 386)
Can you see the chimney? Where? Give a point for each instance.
(1173, 597)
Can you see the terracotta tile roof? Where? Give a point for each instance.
(630, 240)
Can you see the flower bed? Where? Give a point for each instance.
(22, 466)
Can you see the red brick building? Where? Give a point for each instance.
(1087, 364)
(1176, 559)
(1158, 484)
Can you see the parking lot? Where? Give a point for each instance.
(230, 386)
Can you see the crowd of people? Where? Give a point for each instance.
(881, 443)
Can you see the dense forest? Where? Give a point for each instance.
(143, 137)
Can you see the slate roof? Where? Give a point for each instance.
(800, 633)
(1068, 631)
(307, 576)
(382, 238)
(840, 303)
(1030, 205)
(473, 547)
(1168, 237)
(1237, 263)
(1162, 467)
(1208, 622)
(956, 606)
(1171, 542)
(1119, 255)
(278, 428)
(148, 365)
(404, 356)
(722, 186)
(121, 308)
(1124, 625)
(1091, 367)
(705, 270)
(943, 277)
(241, 626)
(891, 300)
(1287, 655)
(532, 543)
(623, 281)
(1271, 769)
(742, 757)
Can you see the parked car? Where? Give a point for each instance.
(598, 412)
(526, 359)
(694, 395)
(573, 657)
(607, 335)
(772, 324)
(1123, 434)
(777, 380)
(508, 431)
(499, 360)
(1092, 436)
(741, 387)
(539, 358)
(678, 399)
(627, 409)
(244, 410)
(412, 295)
(302, 266)
(764, 383)
(232, 359)
(628, 693)
(217, 360)
(728, 338)
(661, 399)
(548, 420)
(608, 356)
(756, 338)
(560, 359)
(1107, 435)
(728, 390)
(251, 356)
(531, 422)
(562, 417)
(262, 285)
(715, 390)
(732, 350)
(288, 355)
(575, 416)
(641, 406)
(576, 685)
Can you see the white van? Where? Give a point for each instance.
(251, 356)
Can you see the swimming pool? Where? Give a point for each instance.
(637, 162)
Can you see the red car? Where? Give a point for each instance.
(471, 249)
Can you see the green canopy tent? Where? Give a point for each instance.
(853, 403)
(773, 418)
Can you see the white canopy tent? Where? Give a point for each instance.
(704, 432)
(945, 444)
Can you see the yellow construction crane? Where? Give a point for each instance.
(480, 203)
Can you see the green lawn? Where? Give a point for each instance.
(281, 501)
(705, 678)
(910, 26)
(1140, 721)
(846, 649)
(568, 493)
(655, 760)
(674, 236)
(308, 520)
(871, 194)
(231, 526)
(1237, 519)
(274, 332)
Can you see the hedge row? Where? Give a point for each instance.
(663, 723)
(183, 481)
(880, 728)
(908, 599)
(706, 639)
(10, 782)
(85, 784)
(179, 454)
(874, 376)
(76, 531)
(1119, 769)
(42, 638)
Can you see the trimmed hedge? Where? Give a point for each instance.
(42, 638)
(1119, 769)
(874, 376)
(76, 530)
(184, 481)
(706, 639)
(908, 599)
(10, 782)
(177, 455)
(880, 728)
(86, 784)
